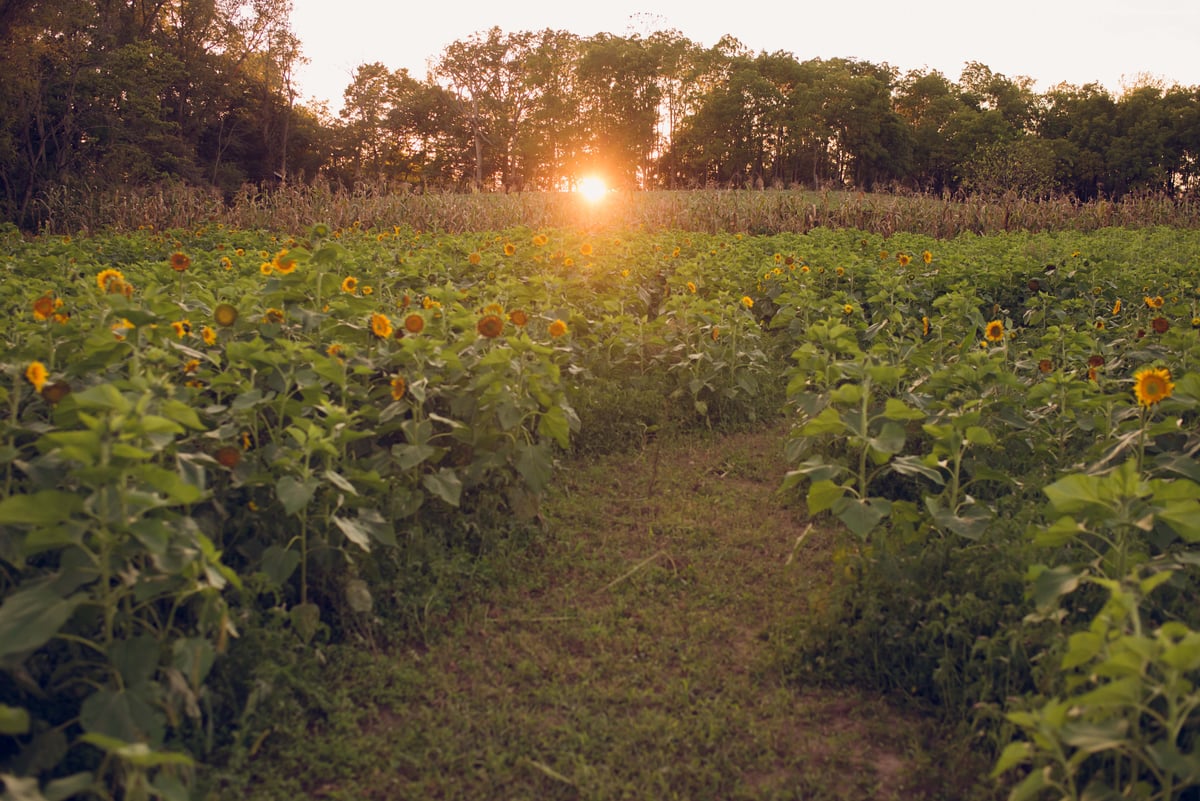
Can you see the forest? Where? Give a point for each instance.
(108, 93)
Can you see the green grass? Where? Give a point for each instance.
(630, 655)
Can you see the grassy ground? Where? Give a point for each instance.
(631, 659)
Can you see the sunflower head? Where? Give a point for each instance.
(225, 315)
(518, 318)
(350, 284)
(558, 328)
(381, 326)
(414, 323)
(490, 326)
(36, 374)
(180, 262)
(509, 249)
(1152, 385)
(399, 387)
(994, 331)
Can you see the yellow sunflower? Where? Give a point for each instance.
(108, 279)
(208, 335)
(558, 328)
(748, 301)
(36, 374)
(518, 318)
(284, 263)
(509, 249)
(398, 387)
(180, 262)
(349, 284)
(273, 315)
(225, 315)
(586, 249)
(381, 326)
(182, 328)
(44, 307)
(994, 331)
(414, 323)
(475, 258)
(1152, 384)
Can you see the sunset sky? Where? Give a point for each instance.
(1107, 41)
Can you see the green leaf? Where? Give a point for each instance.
(1183, 516)
(914, 466)
(40, 508)
(847, 395)
(1074, 493)
(977, 435)
(13, 720)
(553, 423)
(193, 657)
(32, 615)
(827, 422)
(340, 481)
(1058, 533)
(1050, 584)
(306, 619)
(183, 414)
(354, 532)
(122, 715)
(862, 516)
(822, 495)
(890, 439)
(444, 484)
(1013, 754)
(896, 409)
(278, 564)
(295, 494)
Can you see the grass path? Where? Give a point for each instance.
(632, 659)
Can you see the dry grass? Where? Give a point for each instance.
(293, 209)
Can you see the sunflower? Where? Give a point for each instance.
(716, 333)
(208, 335)
(748, 301)
(266, 268)
(540, 240)
(1160, 325)
(586, 249)
(926, 256)
(366, 290)
(691, 287)
(1152, 384)
(121, 329)
(414, 323)
(1046, 366)
(226, 262)
(182, 328)
(904, 259)
(558, 328)
(349, 284)
(1196, 322)
(110, 280)
(518, 318)
(43, 307)
(840, 271)
(1116, 307)
(381, 326)
(334, 351)
(925, 325)
(228, 456)
(1155, 302)
(225, 315)
(273, 315)
(398, 387)
(474, 258)
(180, 262)
(36, 374)
(847, 309)
(994, 331)
(284, 263)
(509, 249)
(490, 326)
(191, 366)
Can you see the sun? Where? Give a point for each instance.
(592, 188)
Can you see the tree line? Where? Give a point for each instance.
(104, 93)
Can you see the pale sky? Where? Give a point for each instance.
(1078, 41)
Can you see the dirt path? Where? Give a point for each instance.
(635, 660)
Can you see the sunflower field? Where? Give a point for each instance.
(221, 446)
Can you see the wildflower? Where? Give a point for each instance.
(716, 332)
(904, 259)
(748, 301)
(1154, 302)
(490, 326)
(994, 331)
(1116, 307)
(568, 262)
(180, 262)
(121, 329)
(239, 252)
(926, 256)
(398, 387)
(405, 301)
(43, 307)
(625, 273)
(586, 249)
(540, 240)
(1160, 325)
(273, 315)
(475, 258)
(509, 249)
(1099, 325)
(691, 287)
(1196, 322)
(108, 279)
(350, 284)
(883, 254)
(334, 351)
(226, 263)
(518, 318)
(284, 263)
(840, 271)
(320, 230)
(366, 290)
(847, 309)
(1045, 365)
(228, 456)
(225, 315)
(493, 308)
(381, 326)
(266, 268)
(1152, 384)
(182, 328)
(558, 328)
(804, 268)
(36, 374)
(191, 366)
(1095, 360)
(414, 323)
(925, 325)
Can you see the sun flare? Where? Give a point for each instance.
(592, 188)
